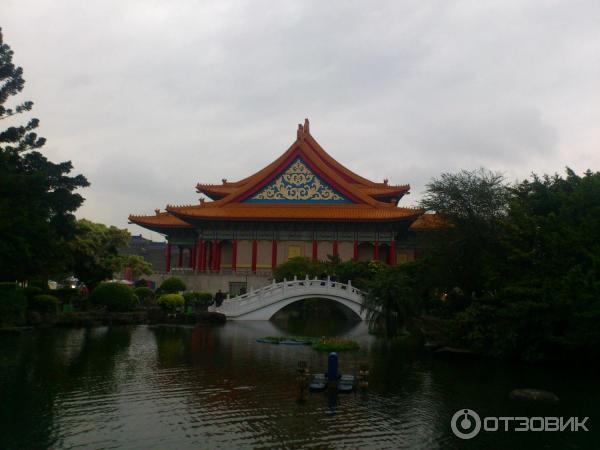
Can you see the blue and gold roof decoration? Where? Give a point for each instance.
(298, 184)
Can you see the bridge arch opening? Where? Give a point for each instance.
(315, 308)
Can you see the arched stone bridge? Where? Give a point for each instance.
(263, 303)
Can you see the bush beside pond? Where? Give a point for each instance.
(44, 304)
(144, 294)
(171, 302)
(114, 296)
(199, 300)
(172, 285)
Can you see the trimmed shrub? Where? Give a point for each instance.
(12, 304)
(199, 300)
(32, 291)
(144, 294)
(114, 296)
(171, 302)
(172, 285)
(44, 304)
(39, 283)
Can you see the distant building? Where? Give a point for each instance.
(305, 203)
(151, 251)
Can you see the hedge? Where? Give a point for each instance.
(144, 294)
(171, 302)
(114, 296)
(172, 285)
(44, 304)
(198, 299)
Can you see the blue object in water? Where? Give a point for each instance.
(332, 366)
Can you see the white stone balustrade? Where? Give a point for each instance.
(262, 304)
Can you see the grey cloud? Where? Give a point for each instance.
(150, 97)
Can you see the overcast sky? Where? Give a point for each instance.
(147, 98)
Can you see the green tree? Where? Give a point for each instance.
(300, 266)
(114, 296)
(473, 203)
(37, 197)
(545, 273)
(172, 285)
(95, 251)
(394, 298)
(138, 265)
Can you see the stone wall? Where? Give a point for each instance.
(213, 282)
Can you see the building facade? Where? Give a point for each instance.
(305, 203)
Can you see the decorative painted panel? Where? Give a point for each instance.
(208, 234)
(264, 235)
(294, 251)
(385, 236)
(366, 236)
(325, 235)
(345, 236)
(245, 235)
(224, 234)
(295, 235)
(297, 184)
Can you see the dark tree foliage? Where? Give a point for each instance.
(37, 197)
(300, 267)
(94, 251)
(172, 285)
(545, 304)
(394, 297)
(473, 203)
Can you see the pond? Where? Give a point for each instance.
(214, 387)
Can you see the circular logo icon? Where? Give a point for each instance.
(465, 424)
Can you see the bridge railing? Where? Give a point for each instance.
(278, 291)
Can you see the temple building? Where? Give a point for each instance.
(305, 203)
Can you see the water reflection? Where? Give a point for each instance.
(214, 386)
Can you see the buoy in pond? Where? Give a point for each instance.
(332, 366)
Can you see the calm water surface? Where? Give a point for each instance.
(215, 387)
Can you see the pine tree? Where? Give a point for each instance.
(37, 197)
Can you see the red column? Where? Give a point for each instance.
(254, 250)
(314, 250)
(168, 257)
(335, 248)
(376, 252)
(355, 251)
(392, 255)
(198, 257)
(233, 255)
(180, 257)
(213, 256)
(274, 254)
(202, 265)
(218, 257)
(192, 256)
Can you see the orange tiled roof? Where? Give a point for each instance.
(252, 211)
(428, 222)
(229, 197)
(378, 191)
(307, 147)
(159, 220)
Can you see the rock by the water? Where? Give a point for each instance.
(534, 395)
